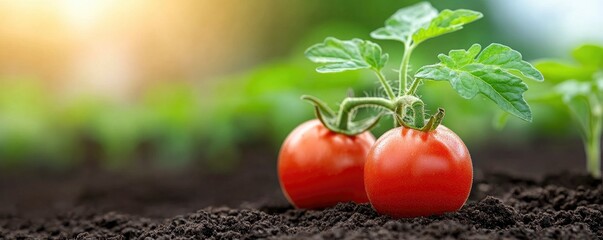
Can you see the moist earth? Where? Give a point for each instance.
(142, 202)
(567, 206)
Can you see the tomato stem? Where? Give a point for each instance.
(404, 68)
(320, 105)
(350, 105)
(413, 88)
(385, 84)
(342, 121)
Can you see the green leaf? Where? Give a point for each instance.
(419, 22)
(446, 22)
(589, 62)
(497, 73)
(580, 98)
(589, 55)
(555, 71)
(510, 60)
(405, 22)
(339, 55)
(575, 95)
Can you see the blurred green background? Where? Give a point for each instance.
(118, 84)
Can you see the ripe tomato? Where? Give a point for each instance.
(318, 168)
(411, 173)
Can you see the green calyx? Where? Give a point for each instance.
(497, 72)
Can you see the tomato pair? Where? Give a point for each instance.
(405, 173)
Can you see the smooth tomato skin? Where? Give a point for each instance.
(410, 173)
(318, 168)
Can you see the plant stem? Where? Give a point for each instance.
(350, 104)
(404, 69)
(385, 84)
(593, 156)
(593, 138)
(413, 88)
(320, 105)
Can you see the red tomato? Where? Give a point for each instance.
(318, 168)
(410, 173)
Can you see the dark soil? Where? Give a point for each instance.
(247, 204)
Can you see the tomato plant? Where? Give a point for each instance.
(318, 168)
(420, 168)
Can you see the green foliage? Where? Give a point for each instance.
(556, 71)
(338, 55)
(103, 132)
(406, 22)
(30, 133)
(173, 119)
(252, 104)
(589, 63)
(496, 72)
(417, 23)
(446, 22)
(182, 121)
(582, 95)
(590, 56)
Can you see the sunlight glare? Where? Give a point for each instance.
(82, 14)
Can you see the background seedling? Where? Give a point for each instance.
(580, 87)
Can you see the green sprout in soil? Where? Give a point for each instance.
(580, 87)
(496, 71)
